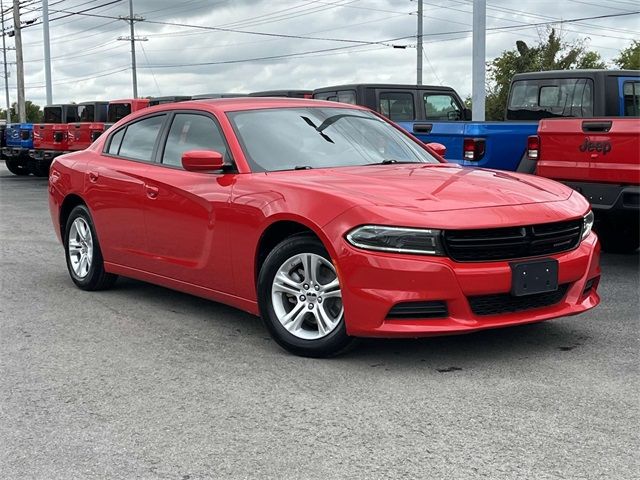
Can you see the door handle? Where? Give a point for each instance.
(422, 128)
(152, 192)
(93, 177)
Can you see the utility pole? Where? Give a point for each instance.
(6, 71)
(47, 50)
(22, 110)
(133, 39)
(478, 83)
(419, 64)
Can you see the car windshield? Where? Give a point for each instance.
(316, 137)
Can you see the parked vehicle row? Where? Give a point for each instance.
(438, 114)
(30, 148)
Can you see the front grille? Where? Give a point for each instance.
(512, 242)
(428, 309)
(500, 303)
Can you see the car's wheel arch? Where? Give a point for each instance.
(71, 201)
(278, 229)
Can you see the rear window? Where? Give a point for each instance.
(52, 115)
(397, 106)
(86, 113)
(546, 98)
(117, 111)
(631, 95)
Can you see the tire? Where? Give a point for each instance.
(17, 167)
(315, 325)
(80, 237)
(619, 235)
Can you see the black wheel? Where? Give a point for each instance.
(40, 168)
(82, 251)
(17, 167)
(619, 234)
(300, 299)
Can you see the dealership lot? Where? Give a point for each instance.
(144, 382)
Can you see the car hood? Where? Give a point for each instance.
(428, 188)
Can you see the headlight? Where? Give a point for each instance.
(587, 224)
(397, 239)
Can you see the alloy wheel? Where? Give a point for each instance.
(306, 296)
(80, 245)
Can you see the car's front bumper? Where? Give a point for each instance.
(372, 283)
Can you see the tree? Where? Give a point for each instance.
(549, 54)
(34, 114)
(629, 58)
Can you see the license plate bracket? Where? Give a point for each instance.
(535, 276)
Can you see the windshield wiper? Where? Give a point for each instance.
(389, 161)
(302, 167)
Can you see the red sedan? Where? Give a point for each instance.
(325, 219)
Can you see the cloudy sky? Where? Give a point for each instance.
(89, 62)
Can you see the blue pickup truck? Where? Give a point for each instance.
(15, 151)
(437, 114)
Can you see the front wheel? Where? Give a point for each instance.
(83, 254)
(300, 299)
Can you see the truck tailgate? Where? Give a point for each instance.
(599, 150)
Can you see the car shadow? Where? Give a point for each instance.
(442, 353)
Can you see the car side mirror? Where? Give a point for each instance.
(437, 148)
(466, 113)
(202, 160)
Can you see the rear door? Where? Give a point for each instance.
(186, 212)
(115, 190)
(599, 150)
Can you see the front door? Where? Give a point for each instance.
(186, 213)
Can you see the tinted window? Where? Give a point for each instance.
(140, 138)
(441, 107)
(326, 96)
(52, 115)
(631, 92)
(191, 132)
(86, 113)
(535, 99)
(71, 112)
(320, 137)
(397, 106)
(116, 140)
(347, 96)
(118, 111)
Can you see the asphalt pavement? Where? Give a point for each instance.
(144, 382)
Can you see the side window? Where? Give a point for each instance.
(347, 96)
(192, 132)
(140, 138)
(631, 93)
(324, 95)
(441, 107)
(397, 106)
(116, 140)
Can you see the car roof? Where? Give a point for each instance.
(248, 103)
(549, 74)
(399, 86)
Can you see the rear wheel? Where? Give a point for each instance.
(16, 166)
(301, 300)
(83, 254)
